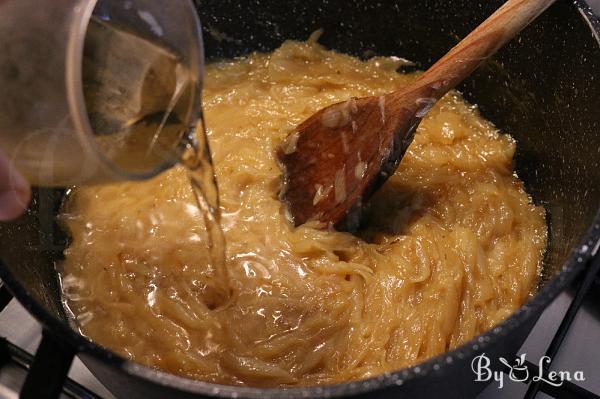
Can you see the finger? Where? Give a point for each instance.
(15, 191)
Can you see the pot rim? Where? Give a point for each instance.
(575, 263)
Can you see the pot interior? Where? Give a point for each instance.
(541, 88)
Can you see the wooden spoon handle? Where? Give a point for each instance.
(480, 44)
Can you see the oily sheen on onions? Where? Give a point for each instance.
(452, 242)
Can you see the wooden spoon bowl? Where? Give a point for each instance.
(339, 156)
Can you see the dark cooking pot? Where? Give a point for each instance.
(541, 88)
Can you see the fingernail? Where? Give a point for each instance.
(15, 197)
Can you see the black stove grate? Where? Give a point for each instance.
(18, 363)
(567, 390)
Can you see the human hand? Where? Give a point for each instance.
(15, 191)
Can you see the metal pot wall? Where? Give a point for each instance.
(542, 88)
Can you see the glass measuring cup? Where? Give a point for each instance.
(97, 90)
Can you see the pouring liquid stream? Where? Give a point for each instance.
(137, 110)
(197, 160)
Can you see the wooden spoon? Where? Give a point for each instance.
(339, 156)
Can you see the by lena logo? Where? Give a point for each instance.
(518, 371)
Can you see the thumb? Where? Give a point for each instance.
(15, 191)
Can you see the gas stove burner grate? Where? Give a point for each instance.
(14, 367)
